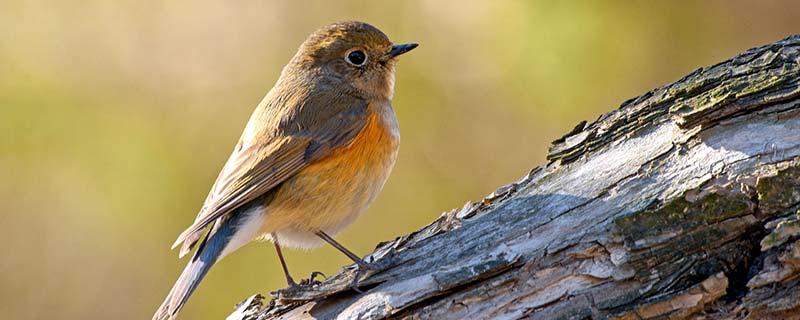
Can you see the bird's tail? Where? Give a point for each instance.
(208, 252)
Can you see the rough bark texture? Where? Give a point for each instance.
(683, 203)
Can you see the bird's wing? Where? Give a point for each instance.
(254, 170)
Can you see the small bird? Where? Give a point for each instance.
(315, 153)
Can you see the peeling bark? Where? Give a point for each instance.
(683, 203)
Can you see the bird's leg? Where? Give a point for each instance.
(342, 249)
(289, 279)
(362, 265)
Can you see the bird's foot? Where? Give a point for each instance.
(312, 279)
(365, 268)
(295, 287)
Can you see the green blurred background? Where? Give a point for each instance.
(116, 116)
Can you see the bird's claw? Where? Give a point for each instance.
(301, 285)
(364, 267)
(312, 279)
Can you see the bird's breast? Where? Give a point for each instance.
(331, 193)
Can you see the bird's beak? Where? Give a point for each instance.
(399, 49)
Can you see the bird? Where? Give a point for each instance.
(315, 153)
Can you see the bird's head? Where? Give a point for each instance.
(353, 55)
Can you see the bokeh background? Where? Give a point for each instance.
(116, 116)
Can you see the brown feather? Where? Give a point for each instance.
(251, 171)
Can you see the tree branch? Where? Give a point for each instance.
(681, 202)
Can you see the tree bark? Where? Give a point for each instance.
(683, 203)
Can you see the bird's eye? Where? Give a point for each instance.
(356, 58)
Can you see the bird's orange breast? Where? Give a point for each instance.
(371, 145)
(330, 193)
